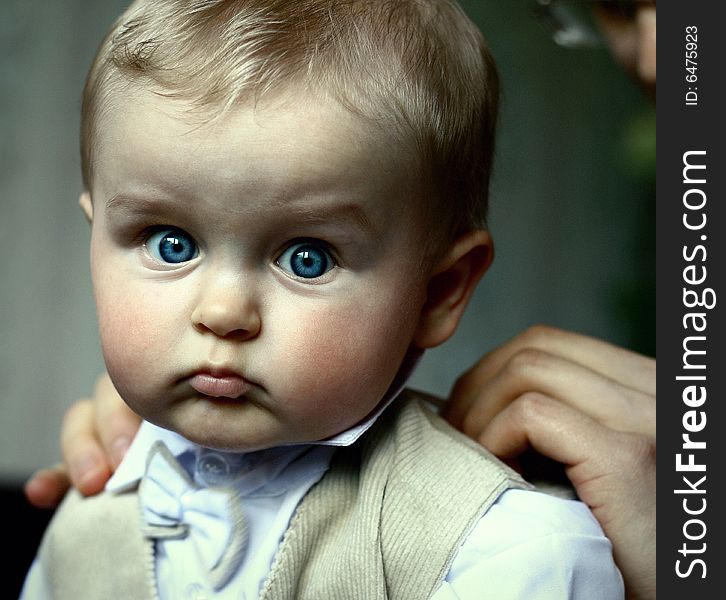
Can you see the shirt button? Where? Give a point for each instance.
(213, 468)
(195, 591)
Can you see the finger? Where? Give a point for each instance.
(627, 368)
(599, 397)
(45, 488)
(613, 472)
(116, 424)
(568, 436)
(556, 431)
(83, 454)
(535, 421)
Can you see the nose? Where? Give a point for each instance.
(228, 309)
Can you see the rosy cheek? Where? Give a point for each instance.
(339, 362)
(122, 336)
(130, 327)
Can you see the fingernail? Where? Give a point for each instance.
(118, 449)
(84, 469)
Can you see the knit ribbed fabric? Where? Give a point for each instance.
(94, 549)
(386, 521)
(389, 517)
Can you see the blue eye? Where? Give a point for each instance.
(172, 246)
(307, 260)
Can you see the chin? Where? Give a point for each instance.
(225, 441)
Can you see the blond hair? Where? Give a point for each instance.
(420, 68)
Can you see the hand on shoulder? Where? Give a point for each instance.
(95, 435)
(587, 404)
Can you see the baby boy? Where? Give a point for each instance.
(286, 200)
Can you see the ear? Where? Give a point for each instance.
(451, 285)
(86, 205)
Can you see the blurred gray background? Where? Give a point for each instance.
(573, 211)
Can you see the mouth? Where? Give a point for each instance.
(220, 384)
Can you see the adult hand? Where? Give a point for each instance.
(94, 438)
(584, 403)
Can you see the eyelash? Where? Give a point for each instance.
(305, 246)
(180, 239)
(332, 261)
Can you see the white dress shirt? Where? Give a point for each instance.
(528, 545)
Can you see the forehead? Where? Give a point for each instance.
(293, 144)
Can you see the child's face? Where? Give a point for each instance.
(258, 279)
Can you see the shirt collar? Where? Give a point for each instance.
(132, 467)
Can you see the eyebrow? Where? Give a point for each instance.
(320, 214)
(136, 204)
(311, 213)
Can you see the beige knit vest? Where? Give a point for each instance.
(386, 521)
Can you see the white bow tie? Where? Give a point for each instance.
(173, 506)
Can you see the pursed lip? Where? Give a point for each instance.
(219, 383)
